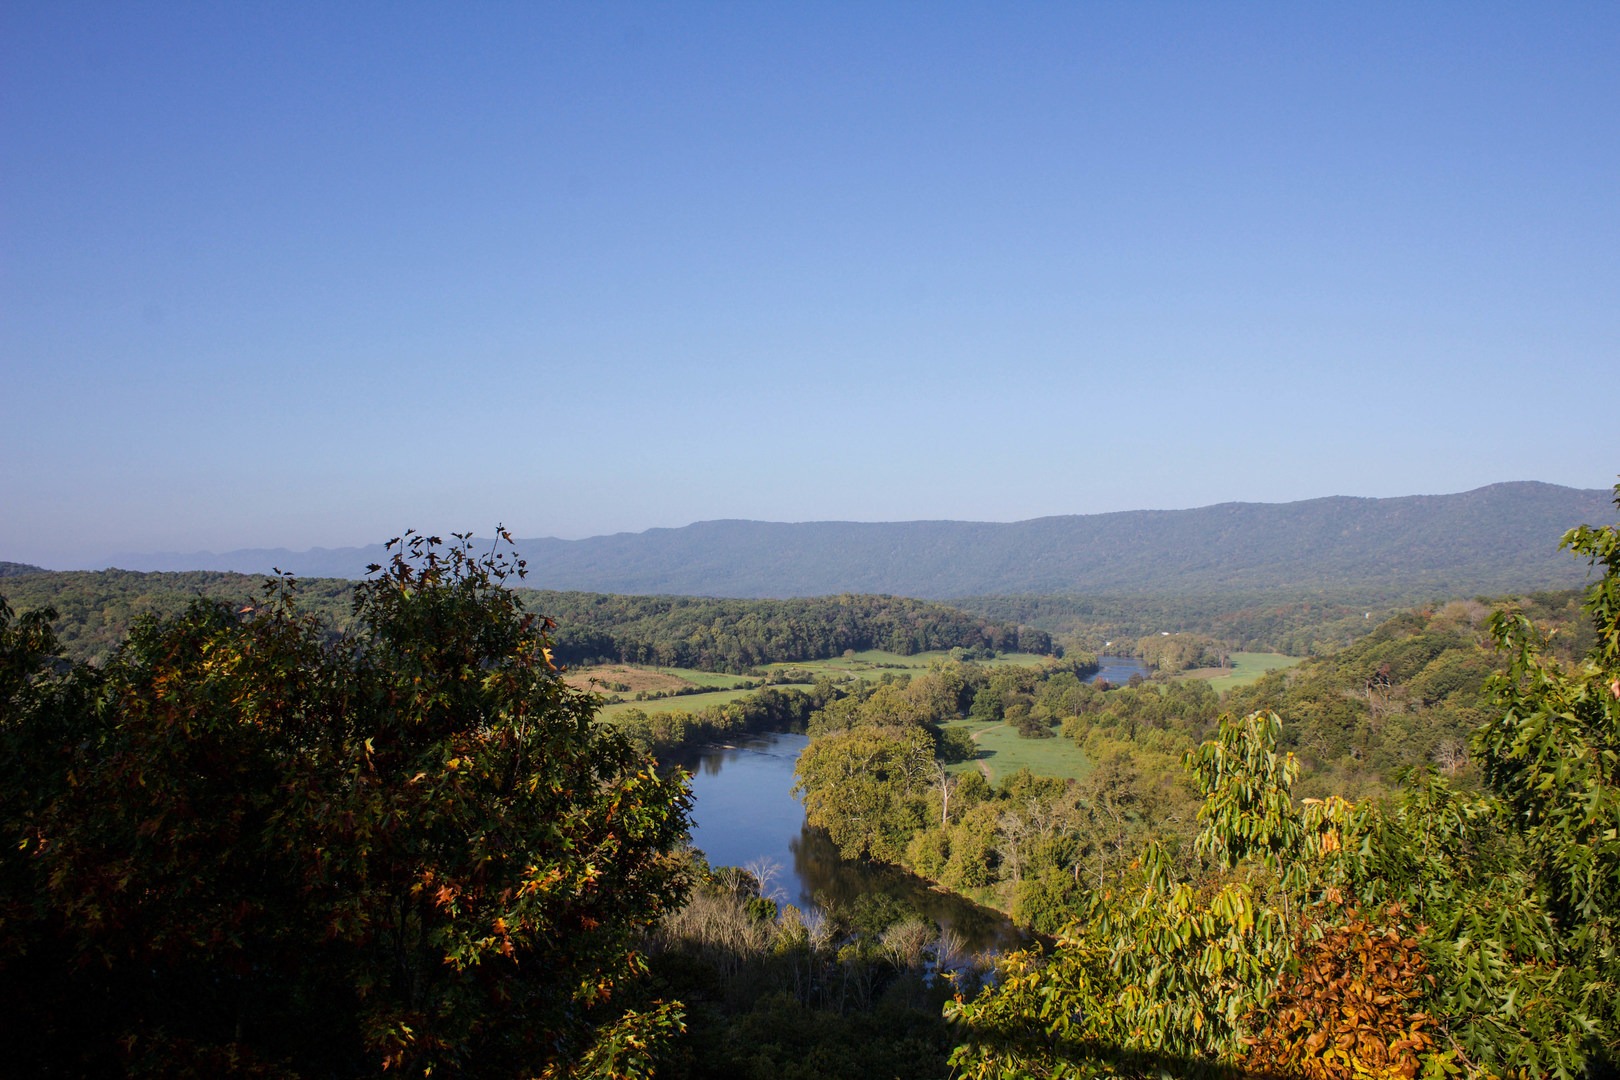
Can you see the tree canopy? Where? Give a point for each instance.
(246, 846)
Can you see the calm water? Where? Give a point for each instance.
(744, 811)
(1119, 669)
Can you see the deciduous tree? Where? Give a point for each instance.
(274, 853)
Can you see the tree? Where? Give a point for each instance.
(274, 853)
(865, 785)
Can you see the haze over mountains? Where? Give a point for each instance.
(1496, 538)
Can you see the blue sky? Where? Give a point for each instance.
(307, 275)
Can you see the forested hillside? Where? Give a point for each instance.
(96, 609)
(1285, 621)
(1406, 696)
(711, 634)
(1492, 540)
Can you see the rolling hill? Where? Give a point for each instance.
(1498, 538)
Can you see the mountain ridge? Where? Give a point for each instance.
(1499, 537)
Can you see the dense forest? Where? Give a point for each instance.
(1284, 621)
(735, 635)
(1409, 693)
(96, 609)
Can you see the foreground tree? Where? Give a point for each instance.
(255, 850)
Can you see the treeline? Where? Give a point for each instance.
(96, 610)
(1283, 621)
(768, 709)
(735, 635)
(1172, 653)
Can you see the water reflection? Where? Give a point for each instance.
(837, 883)
(744, 814)
(1117, 670)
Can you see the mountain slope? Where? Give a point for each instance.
(1498, 538)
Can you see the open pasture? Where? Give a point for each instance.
(1002, 751)
(639, 677)
(689, 702)
(1247, 667)
(873, 664)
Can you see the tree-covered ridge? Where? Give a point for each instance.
(96, 609)
(1492, 540)
(1288, 621)
(719, 634)
(1410, 693)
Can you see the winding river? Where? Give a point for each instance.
(744, 814)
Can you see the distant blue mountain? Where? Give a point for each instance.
(1495, 539)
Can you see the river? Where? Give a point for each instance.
(1117, 670)
(744, 814)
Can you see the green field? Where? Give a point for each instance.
(1003, 751)
(870, 665)
(688, 702)
(1247, 667)
(873, 664)
(716, 679)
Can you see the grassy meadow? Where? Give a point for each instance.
(1003, 751)
(1247, 667)
(870, 665)
(873, 664)
(638, 678)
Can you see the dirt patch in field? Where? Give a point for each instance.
(636, 679)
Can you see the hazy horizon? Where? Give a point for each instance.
(108, 558)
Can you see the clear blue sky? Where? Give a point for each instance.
(308, 274)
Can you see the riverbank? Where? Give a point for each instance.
(745, 815)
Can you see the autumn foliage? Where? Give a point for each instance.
(247, 847)
(1350, 1006)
